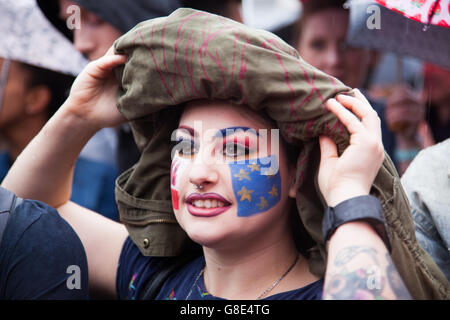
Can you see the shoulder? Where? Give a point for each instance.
(37, 254)
(431, 168)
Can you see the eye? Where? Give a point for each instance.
(317, 44)
(232, 149)
(185, 147)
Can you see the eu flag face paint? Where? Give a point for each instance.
(255, 187)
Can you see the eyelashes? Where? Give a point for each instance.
(184, 147)
(232, 149)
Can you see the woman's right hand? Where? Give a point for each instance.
(93, 94)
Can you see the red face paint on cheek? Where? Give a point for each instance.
(173, 179)
(176, 171)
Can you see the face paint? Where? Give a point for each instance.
(176, 170)
(256, 188)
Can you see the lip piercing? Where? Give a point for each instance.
(199, 187)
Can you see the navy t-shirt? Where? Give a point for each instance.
(134, 270)
(41, 256)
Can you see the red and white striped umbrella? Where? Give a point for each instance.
(417, 28)
(436, 12)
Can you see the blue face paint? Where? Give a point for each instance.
(232, 130)
(255, 187)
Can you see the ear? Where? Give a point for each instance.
(37, 100)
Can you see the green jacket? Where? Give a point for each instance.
(196, 55)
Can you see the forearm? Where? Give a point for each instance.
(44, 170)
(359, 266)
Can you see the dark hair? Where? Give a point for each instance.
(310, 8)
(211, 6)
(58, 83)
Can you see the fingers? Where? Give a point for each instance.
(101, 68)
(328, 148)
(362, 108)
(350, 121)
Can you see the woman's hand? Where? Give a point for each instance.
(351, 174)
(93, 94)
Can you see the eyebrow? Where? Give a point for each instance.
(222, 132)
(231, 130)
(191, 131)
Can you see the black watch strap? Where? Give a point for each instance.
(362, 208)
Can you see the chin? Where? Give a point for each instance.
(207, 240)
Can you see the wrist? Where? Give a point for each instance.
(343, 193)
(70, 118)
(364, 209)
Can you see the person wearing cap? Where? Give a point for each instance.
(269, 224)
(101, 23)
(37, 70)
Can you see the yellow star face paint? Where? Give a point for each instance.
(254, 192)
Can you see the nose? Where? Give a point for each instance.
(204, 170)
(333, 57)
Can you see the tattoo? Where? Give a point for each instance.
(364, 278)
(349, 253)
(364, 283)
(396, 283)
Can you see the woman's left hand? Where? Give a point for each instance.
(352, 174)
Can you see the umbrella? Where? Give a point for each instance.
(436, 12)
(417, 28)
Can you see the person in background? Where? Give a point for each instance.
(320, 37)
(427, 185)
(41, 256)
(231, 9)
(437, 98)
(101, 23)
(37, 70)
(418, 119)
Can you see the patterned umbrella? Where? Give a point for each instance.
(436, 12)
(417, 28)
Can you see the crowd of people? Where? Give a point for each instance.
(141, 137)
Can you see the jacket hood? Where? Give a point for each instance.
(196, 55)
(26, 36)
(123, 15)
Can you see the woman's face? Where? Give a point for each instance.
(244, 177)
(13, 104)
(322, 44)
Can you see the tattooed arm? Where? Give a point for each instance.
(359, 266)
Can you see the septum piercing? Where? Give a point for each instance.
(199, 187)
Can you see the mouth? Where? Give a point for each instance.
(207, 205)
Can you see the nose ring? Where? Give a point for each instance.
(199, 187)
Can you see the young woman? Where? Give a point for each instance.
(231, 195)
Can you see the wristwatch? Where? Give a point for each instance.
(361, 208)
